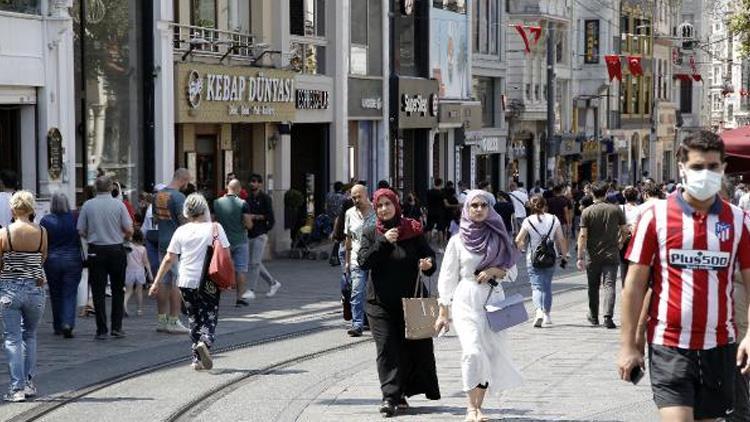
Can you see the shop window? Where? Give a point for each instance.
(458, 6)
(625, 30)
(485, 24)
(308, 58)
(484, 91)
(359, 37)
(686, 96)
(31, 7)
(307, 17)
(203, 13)
(109, 92)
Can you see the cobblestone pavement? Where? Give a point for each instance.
(569, 368)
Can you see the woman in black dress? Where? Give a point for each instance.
(395, 250)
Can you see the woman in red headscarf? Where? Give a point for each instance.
(395, 251)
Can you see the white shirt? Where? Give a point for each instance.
(745, 202)
(148, 221)
(191, 241)
(354, 225)
(632, 212)
(519, 199)
(5, 213)
(543, 227)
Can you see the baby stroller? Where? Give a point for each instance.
(311, 233)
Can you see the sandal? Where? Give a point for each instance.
(481, 417)
(471, 416)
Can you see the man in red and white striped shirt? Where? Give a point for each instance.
(689, 246)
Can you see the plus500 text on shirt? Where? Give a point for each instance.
(191, 241)
(693, 257)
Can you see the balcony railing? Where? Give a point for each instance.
(214, 42)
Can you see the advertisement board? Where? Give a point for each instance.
(591, 41)
(449, 52)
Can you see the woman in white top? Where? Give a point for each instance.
(479, 253)
(632, 212)
(190, 244)
(537, 227)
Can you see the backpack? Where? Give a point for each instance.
(544, 255)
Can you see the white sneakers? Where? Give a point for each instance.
(205, 356)
(176, 327)
(542, 319)
(249, 295)
(273, 289)
(538, 319)
(30, 389)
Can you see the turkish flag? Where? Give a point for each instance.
(614, 68)
(634, 65)
(536, 31)
(522, 32)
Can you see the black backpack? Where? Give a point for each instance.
(544, 255)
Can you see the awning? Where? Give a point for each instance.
(737, 144)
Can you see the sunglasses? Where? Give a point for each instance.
(478, 205)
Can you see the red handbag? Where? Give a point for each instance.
(221, 268)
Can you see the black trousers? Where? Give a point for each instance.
(107, 262)
(405, 367)
(741, 400)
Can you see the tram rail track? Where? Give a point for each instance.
(53, 404)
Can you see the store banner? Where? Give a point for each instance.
(233, 94)
(449, 52)
(591, 41)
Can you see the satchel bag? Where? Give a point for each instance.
(221, 268)
(544, 255)
(505, 313)
(420, 314)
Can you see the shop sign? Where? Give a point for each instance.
(569, 147)
(466, 114)
(490, 145)
(54, 153)
(418, 103)
(591, 42)
(233, 94)
(312, 99)
(365, 98)
(372, 103)
(591, 150)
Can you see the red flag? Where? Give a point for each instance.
(634, 64)
(536, 31)
(522, 32)
(682, 77)
(697, 77)
(614, 68)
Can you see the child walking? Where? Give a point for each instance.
(135, 275)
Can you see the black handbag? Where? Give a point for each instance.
(333, 259)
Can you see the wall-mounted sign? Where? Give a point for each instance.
(418, 103)
(569, 147)
(490, 145)
(591, 41)
(233, 94)
(312, 99)
(54, 153)
(372, 103)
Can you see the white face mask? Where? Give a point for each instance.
(701, 184)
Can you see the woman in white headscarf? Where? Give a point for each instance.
(480, 253)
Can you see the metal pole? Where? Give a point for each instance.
(550, 100)
(654, 96)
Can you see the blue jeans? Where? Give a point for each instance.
(21, 307)
(63, 276)
(541, 287)
(240, 257)
(256, 269)
(359, 285)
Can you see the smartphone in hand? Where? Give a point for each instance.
(636, 375)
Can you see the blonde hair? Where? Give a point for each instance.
(195, 206)
(22, 203)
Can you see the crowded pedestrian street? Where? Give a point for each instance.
(357, 210)
(288, 358)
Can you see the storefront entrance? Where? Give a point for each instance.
(206, 165)
(10, 139)
(309, 162)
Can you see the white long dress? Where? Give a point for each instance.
(485, 353)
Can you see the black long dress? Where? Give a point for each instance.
(405, 367)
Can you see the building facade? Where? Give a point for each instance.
(37, 122)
